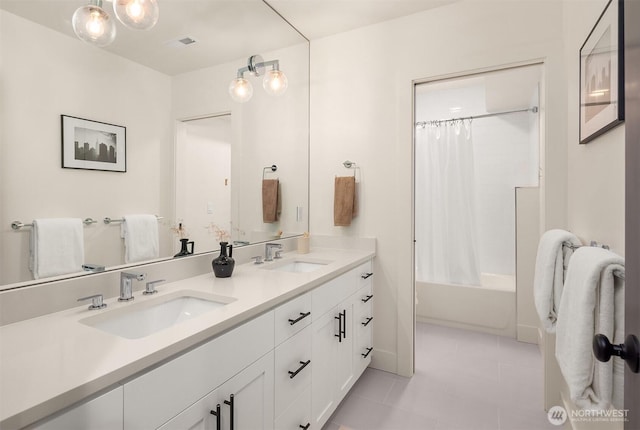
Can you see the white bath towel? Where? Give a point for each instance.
(549, 274)
(141, 241)
(592, 302)
(57, 247)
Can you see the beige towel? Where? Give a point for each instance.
(344, 200)
(270, 200)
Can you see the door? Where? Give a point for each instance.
(632, 201)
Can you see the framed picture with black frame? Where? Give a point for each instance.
(93, 145)
(602, 74)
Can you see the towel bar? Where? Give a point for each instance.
(17, 225)
(108, 220)
(273, 168)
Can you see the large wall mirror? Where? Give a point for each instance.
(194, 157)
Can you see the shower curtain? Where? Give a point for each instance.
(446, 250)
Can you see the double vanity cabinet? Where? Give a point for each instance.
(287, 368)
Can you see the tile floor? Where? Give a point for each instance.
(464, 381)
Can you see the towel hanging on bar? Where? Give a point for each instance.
(345, 206)
(271, 201)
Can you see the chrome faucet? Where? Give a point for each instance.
(268, 250)
(126, 291)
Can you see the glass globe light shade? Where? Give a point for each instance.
(275, 82)
(93, 25)
(240, 90)
(137, 14)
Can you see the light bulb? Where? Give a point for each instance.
(240, 90)
(93, 25)
(137, 14)
(275, 82)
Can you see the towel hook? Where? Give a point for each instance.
(273, 168)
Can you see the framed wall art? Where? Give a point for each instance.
(602, 74)
(93, 145)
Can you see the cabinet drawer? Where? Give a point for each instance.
(292, 317)
(101, 413)
(156, 396)
(333, 292)
(363, 306)
(292, 369)
(365, 274)
(298, 414)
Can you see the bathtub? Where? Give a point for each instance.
(489, 308)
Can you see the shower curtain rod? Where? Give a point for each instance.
(438, 121)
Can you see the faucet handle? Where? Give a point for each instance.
(258, 259)
(96, 301)
(150, 288)
(278, 254)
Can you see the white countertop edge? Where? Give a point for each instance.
(37, 407)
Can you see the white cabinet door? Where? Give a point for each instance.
(101, 413)
(251, 407)
(245, 402)
(344, 364)
(323, 373)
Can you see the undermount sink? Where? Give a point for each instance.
(143, 319)
(298, 266)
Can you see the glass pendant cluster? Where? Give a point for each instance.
(274, 82)
(94, 25)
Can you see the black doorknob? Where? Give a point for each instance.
(629, 351)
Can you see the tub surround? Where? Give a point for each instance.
(54, 361)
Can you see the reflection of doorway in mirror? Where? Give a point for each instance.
(203, 172)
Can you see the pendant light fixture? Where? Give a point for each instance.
(93, 25)
(137, 14)
(274, 83)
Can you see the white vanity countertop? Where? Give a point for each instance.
(53, 361)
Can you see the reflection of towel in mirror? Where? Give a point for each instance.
(592, 303)
(345, 207)
(141, 241)
(57, 247)
(270, 200)
(548, 279)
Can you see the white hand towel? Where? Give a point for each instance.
(592, 302)
(141, 241)
(57, 247)
(549, 274)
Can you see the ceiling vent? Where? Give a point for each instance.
(181, 42)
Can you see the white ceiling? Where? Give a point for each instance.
(224, 30)
(320, 18)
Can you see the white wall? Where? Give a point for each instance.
(41, 81)
(361, 109)
(595, 171)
